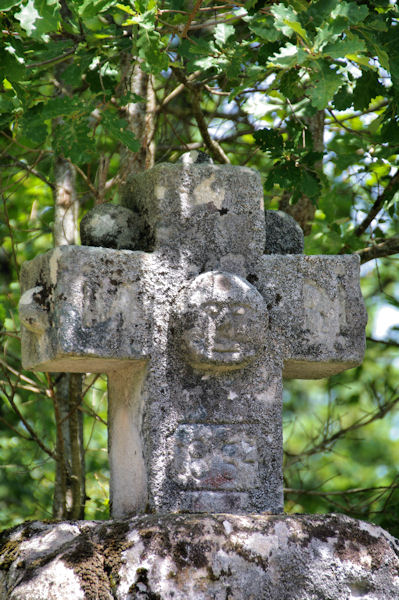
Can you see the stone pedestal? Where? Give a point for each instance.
(201, 557)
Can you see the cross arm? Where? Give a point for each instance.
(81, 310)
(316, 311)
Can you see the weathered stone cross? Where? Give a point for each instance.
(195, 334)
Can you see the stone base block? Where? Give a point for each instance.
(193, 557)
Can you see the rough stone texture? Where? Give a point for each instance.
(316, 312)
(209, 215)
(193, 557)
(111, 226)
(194, 337)
(283, 234)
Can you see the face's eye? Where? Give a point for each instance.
(212, 309)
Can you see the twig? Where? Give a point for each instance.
(33, 434)
(384, 342)
(26, 167)
(10, 230)
(86, 179)
(177, 90)
(191, 17)
(338, 492)
(14, 429)
(348, 129)
(54, 60)
(327, 441)
(215, 149)
(385, 248)
(386, 195)
(364, 112)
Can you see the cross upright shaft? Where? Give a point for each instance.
(194, 334)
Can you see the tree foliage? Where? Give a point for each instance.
(306, 92)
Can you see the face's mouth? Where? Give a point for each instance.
(227, 347)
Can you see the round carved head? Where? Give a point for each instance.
(223, 321)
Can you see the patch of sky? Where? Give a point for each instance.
(394, 430)
(381, 471)
(258, 105)
(219, 128)
(328, 163)
(386, 318)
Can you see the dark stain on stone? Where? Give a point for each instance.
(141, 588)
(252, 278)
(96, 559)
(42, 298)
(223, 211)
(357, 538)
(185, 553)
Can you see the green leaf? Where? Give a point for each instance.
(342, 48)
(33, 125)
(264, 28)
(309, 184)
(324, 84)
(320, 11)
(284, 174)
(7, 4)
(290, 85)
(367, 88)
(284, 15)
(73, 139)
(289, 176)
(91, 8)
(152, 50)
(343, 99)
(10, 67)
(355, 13)
(297, 27)
(222, 33)
(269, 141)
(394, 67)
(118, 129)
(289, 56)
(329, 33)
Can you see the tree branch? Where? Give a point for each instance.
(31, 170)
(338, 492)
(328, 440)
(386, 195)
(214, 148)
(191, 17)
(384, 342)
(385, 248)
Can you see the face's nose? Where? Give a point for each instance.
(225, 322)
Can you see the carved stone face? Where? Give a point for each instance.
(224, 319)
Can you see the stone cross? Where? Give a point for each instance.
(195, 331)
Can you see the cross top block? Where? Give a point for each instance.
(195, 329)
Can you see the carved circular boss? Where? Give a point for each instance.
(222, 322)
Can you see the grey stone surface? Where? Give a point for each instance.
(201, 213)
(111, 226)
(283, 234)
(194, 336)
(194, 557)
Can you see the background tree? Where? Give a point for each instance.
(304, 91)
